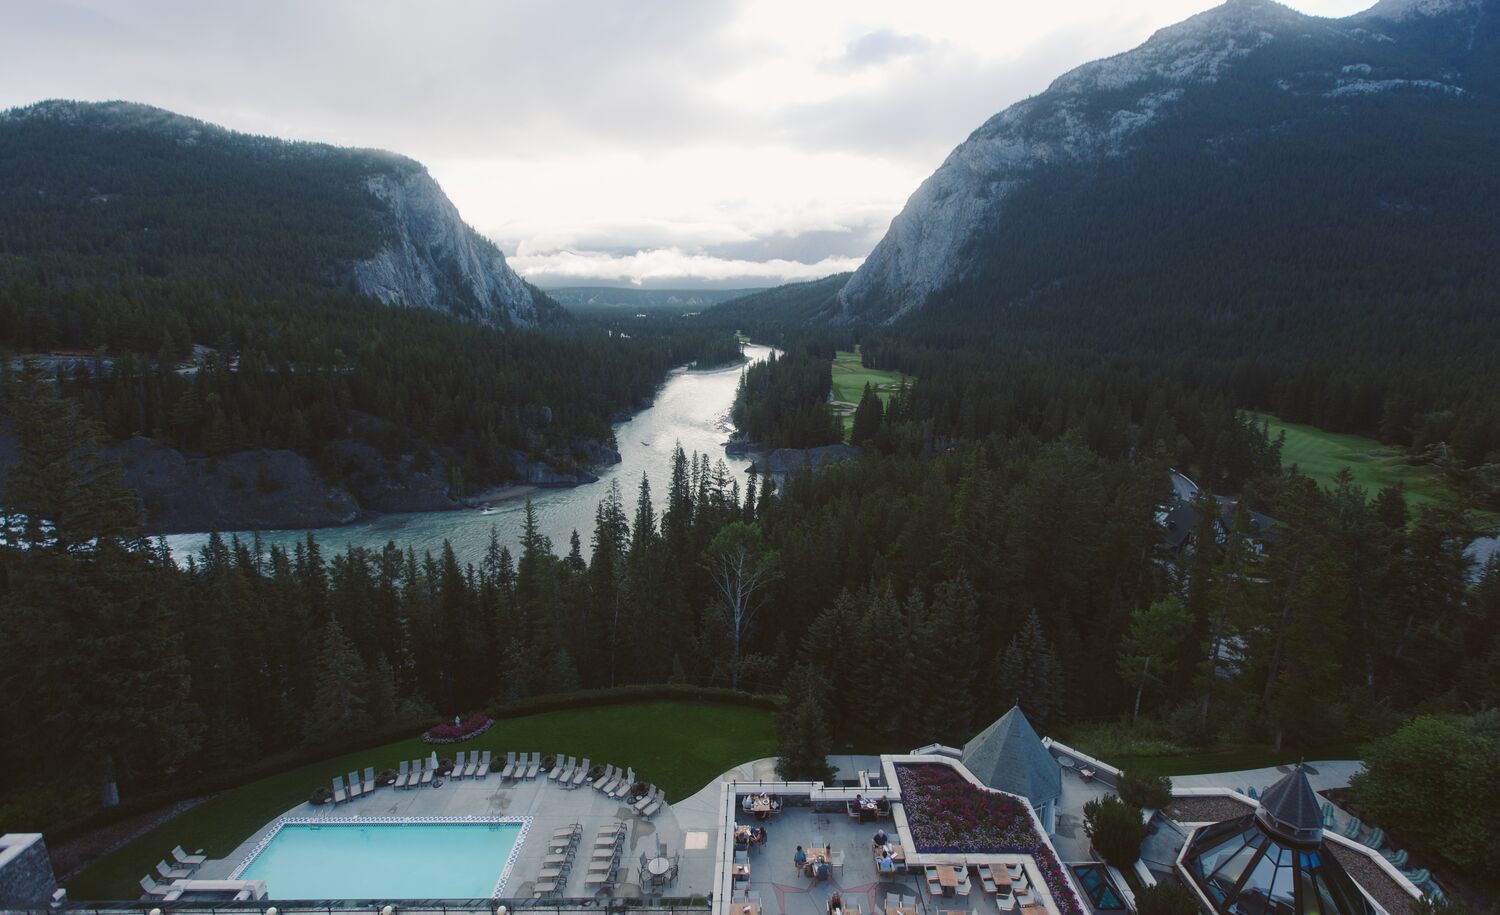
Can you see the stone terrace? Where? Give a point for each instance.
(783, 889)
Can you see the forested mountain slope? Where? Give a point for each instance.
(227, 308)
(1297, 213)
(126, 195)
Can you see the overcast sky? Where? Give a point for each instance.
(668, 143)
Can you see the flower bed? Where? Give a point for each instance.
(455, 733)
(949, 815)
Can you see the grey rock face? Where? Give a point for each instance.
(433, 259)
(1088, 115)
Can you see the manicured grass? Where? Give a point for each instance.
(1142, 748)
(1228, 760)
(1321, 454)
(850, 378)
(679, 746)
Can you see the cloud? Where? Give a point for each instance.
(670, 264)
(878, 47)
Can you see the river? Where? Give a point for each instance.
(692, 408)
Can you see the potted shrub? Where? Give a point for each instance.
(320, 796)
(596, 773)
(638, 790)
(445, 767)
(548, 762)
(386, 778)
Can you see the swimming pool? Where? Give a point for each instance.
(386, 857)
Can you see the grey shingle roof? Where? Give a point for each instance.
(1009, 756)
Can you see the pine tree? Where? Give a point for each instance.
(803, 736)
(867, 416)
(1030, 675)
(339, 704)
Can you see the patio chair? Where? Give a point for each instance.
(535, 765)
(567, 774)
(160, 891)
(1353, 827)
(414, 775)
(837, 860)
(622, 790)
(400, 781)
(184, 859)
(472, 769)
(368, 786)
(1398, 859)
(510, 766)
(1327, 809)
(605, 779)
(167, 872)
(458, 767)
(428, 771)
(1006, 902)
(554, 773)
(354, 788)
(1375, 838)
(483, 770)
(645, 802)
(1419, 876)
(339, 796)
(1254, 795)
(581, 774)
(656, 805)
(615, 774)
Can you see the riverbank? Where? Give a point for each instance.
(691, 408)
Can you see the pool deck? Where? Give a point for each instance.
(688, 827)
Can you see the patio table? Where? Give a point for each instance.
(947, 878)
(892, 910)
(658, 866)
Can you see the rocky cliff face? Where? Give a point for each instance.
(432, 259)
(1103, 110)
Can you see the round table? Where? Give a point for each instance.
(658, 866)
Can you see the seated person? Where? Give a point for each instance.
(747, 803)
(835, 904)
(881, 839)
(800, 858)
(822, 871)
(885, 864)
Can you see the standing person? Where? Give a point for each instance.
(799, 860)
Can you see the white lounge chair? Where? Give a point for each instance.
(645, 801)
(167, 872)
(622, 790)
(510, 766)
(605, 779)
(339, 796)
(458, 767)
(483, 769)
(472, 768)
(427, 772)
(554, 773)
(354, 789)
(400, 781)
(581, 773)
(368, 786)
(160, 891)
(535, 765)
(184, 859)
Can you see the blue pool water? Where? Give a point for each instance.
(387, 861)
(1096, 884)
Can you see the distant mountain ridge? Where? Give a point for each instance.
(385, 229)
(1045, 201)
(623, 297)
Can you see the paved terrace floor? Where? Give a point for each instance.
(688, 827)
(785, 891)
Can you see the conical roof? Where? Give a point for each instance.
(1290, 808)
(1009, 756)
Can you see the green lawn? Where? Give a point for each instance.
(679, 746)
(1228, 760)
(849, 380)
(1375, 466)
